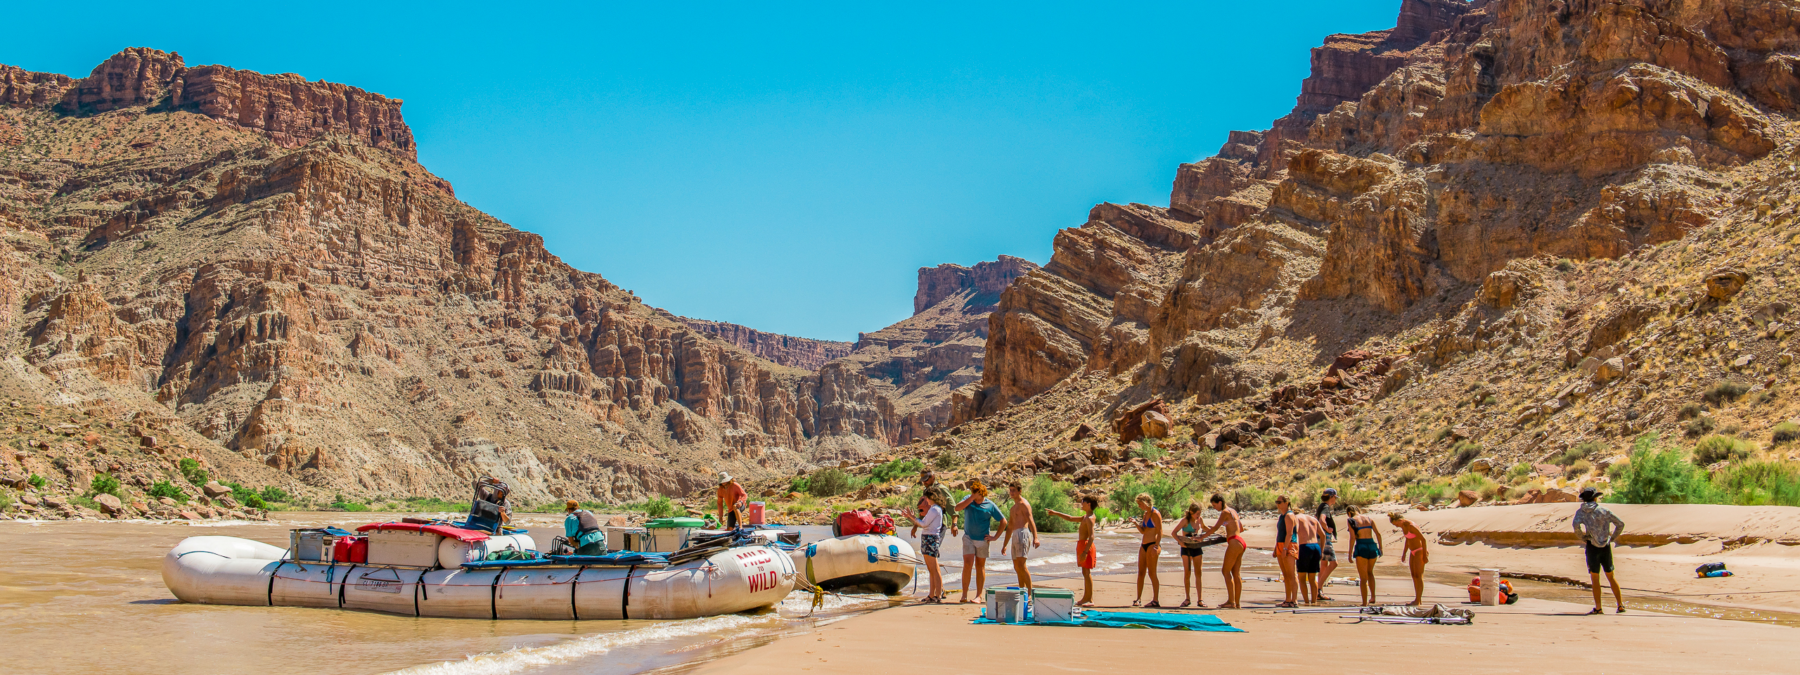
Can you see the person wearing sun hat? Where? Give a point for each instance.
(1598, 529)
(731, 501)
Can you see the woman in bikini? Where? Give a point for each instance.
(1415, 547)
(1187, 534)
(1151, 527)
(1233, 568)
(1366, 548)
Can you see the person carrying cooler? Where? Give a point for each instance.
(980, 515)
(1085, 555)
(731, 500)
(1019, 520)
(1599, 528)
(582, 528)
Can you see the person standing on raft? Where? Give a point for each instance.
(1085, 555)
(582, 528)
(980, 516)
(1599, 528)
(731, 500)
(1415, 548)
(1019, 520)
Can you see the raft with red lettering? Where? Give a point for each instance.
(233, 571)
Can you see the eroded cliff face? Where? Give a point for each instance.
(262, 258)
(787, 350)
(1417, 163)
(920, 361)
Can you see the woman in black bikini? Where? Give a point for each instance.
(1149, 550)
(1187, 534)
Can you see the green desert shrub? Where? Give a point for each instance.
(946, 460)
(274, 494)
(896, 469)
(163, 488)
(1760, 484)
(659, 506)
(1720, 448)
(1658, 474)
(1724, 391)
(1148, 451)
(828, 483)
(1357, 469)
(190, 470)
(1168, 492)
(1045, 493)
(1700, 426)
(1252, 499)
(1393, 460)
(1578, 452)
(104, 484)
(1466, 452)
(1785, 432)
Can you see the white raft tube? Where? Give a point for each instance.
(233, 571)
(875, 562)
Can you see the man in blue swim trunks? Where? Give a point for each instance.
(982, 523)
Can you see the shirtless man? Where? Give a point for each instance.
(1014, 543)
(1310, 535)
(1286, 550)
(1085, 555)
(1235, 546)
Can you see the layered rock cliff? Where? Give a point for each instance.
(1444, 201)
(787, 350)
(262, 259)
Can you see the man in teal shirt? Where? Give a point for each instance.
(582, 528)
(982, 522)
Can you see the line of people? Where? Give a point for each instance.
(1305, 544)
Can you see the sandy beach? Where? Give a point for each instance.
(1535, 635)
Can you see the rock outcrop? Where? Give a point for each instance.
(262, 258)
(786, 350)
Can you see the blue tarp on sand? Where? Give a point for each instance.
(1162, 620)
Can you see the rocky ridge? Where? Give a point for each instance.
(1540, 226)
(260, 260)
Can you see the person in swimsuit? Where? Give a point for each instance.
(1328, 561)
(1149, 550)
(1307, 534)
(1015, 543)
(1367, 548)
(1287, 551)
(1187, 534)
(1415, 547)
(1235, 546)
(1085, 555)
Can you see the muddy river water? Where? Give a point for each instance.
(83, 597)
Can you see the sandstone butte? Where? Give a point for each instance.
(1511, 226)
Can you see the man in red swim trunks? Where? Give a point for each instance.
(1086, 557)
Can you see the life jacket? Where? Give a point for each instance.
(588, 521)
(1507, 595)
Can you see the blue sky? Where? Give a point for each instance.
(787, 167)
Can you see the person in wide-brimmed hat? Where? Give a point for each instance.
(731, 500)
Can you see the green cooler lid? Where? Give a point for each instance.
(1050, 592)
(661, 523)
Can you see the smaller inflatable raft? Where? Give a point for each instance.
(869, 562)
(233, 571)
